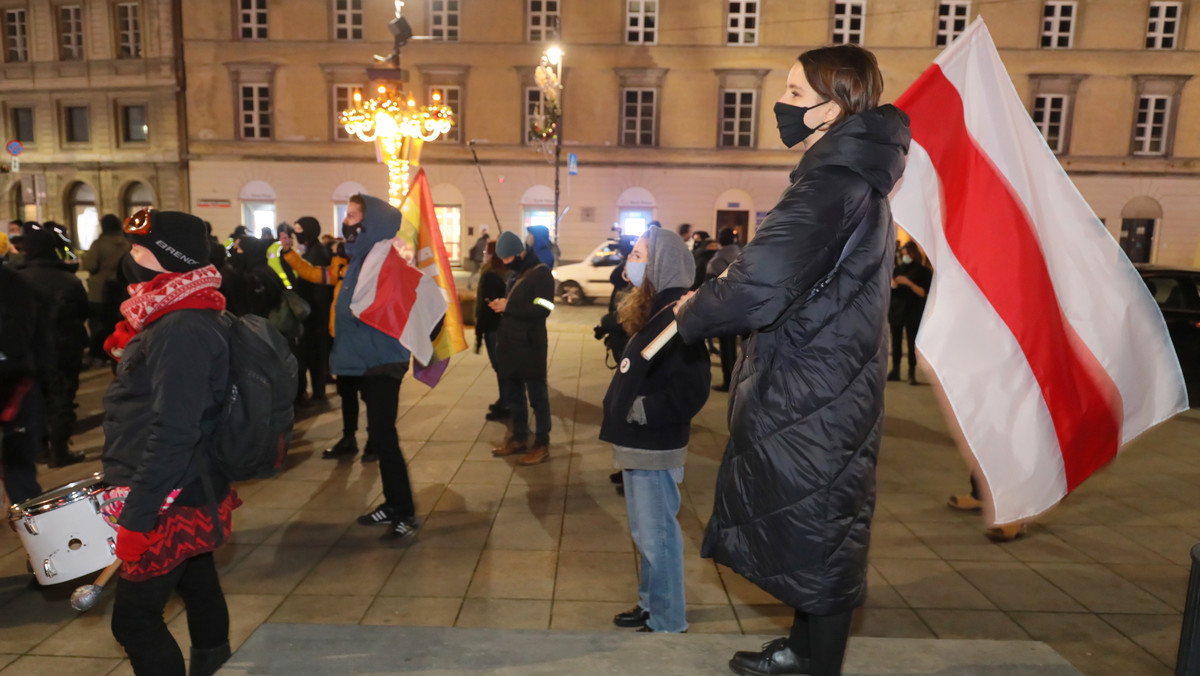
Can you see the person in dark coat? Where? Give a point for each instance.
(315, 341)
(727, 345)
(101, 262)
(172, 505)
(58, 289)
(910, 285)
(255, 288)
(523, 346)
(493, 283)
(28, 355)
(648, 413)
(796, 489)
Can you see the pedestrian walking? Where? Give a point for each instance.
(475, 257)
(648, 413)
(161, 413)
(523, 347)
(796, 489)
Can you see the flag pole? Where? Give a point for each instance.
(486, 190)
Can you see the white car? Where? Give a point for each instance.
(588, 280)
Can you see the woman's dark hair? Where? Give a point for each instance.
(726, 236)
(846, 74)
(494, 263)
(912, 249)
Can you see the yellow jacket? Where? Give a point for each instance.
(331, 274)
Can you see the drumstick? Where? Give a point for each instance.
(84, 597)
(667, 334)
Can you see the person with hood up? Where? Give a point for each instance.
(538, 239)
(523, 347)
(255, 284)
(172, 505)
(60, 291)
(648, 414)
(315, 342)
(378, 360)
(796, 489)
(101, 262)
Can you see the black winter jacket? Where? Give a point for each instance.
(66, 301)
(521, 339)
(161, 411)
(491, 287)
(674, 386)
(796, 489)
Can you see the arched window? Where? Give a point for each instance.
(81, 212)
(258, 207)
(137, 197)
(635, 207)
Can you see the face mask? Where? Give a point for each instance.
(906, 259)
(790, 120)
(350, 232)
(636, 272)
(136, 274)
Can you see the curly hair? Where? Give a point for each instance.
(636, 308)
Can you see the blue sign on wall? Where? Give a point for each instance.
(572, 164)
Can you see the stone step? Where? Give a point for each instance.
(333, 650)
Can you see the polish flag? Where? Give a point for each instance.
(395, 297)
(1049, 349)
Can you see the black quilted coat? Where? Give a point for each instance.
(796, 489)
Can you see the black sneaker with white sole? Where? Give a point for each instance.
(382, 516)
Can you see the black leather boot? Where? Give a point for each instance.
(206, 662)
(346, 447)
(776, 657)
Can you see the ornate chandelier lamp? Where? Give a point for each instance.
(544, 127)
(392, 119)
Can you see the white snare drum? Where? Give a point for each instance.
(63, 531)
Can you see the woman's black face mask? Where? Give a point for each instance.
(134, 273)
(790, 120)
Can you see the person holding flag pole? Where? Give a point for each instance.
(795, 493)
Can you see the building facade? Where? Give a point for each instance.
(666, 105)
(91, 90)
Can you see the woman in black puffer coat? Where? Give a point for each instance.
(796, 489)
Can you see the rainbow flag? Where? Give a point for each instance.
(420, 230)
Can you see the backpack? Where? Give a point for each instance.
(256, 418)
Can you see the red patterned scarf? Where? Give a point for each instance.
(169, 291)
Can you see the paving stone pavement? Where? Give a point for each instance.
(1101, 579)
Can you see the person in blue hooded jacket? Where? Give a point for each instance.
(539, 241)
(378, 361)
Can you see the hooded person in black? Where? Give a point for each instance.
(58, 289)
(796, 489)
(313, 353)
(256, 287)
(523, 346)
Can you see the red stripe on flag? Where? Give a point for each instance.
(992, 236)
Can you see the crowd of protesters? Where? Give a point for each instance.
(797, 480)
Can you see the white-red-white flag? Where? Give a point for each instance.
(1050, 350)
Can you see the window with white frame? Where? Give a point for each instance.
(253, 19)
(1050, 116)
(443, 20)
(347, 19)
(129, 30)
(451, 97)
(543, 20)
(343, 99)
(533, 111)
(742, 25)
(1058, 24)
(641, 22)
(70, 32)
(952, 20)
(638, 117)
(1150, 129)
(737, 118)
(255, 111)
(848, 18)
(1162, 32)
(16, 36)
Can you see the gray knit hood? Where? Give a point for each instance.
(670, 264)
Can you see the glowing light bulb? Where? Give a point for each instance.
(554, 55)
